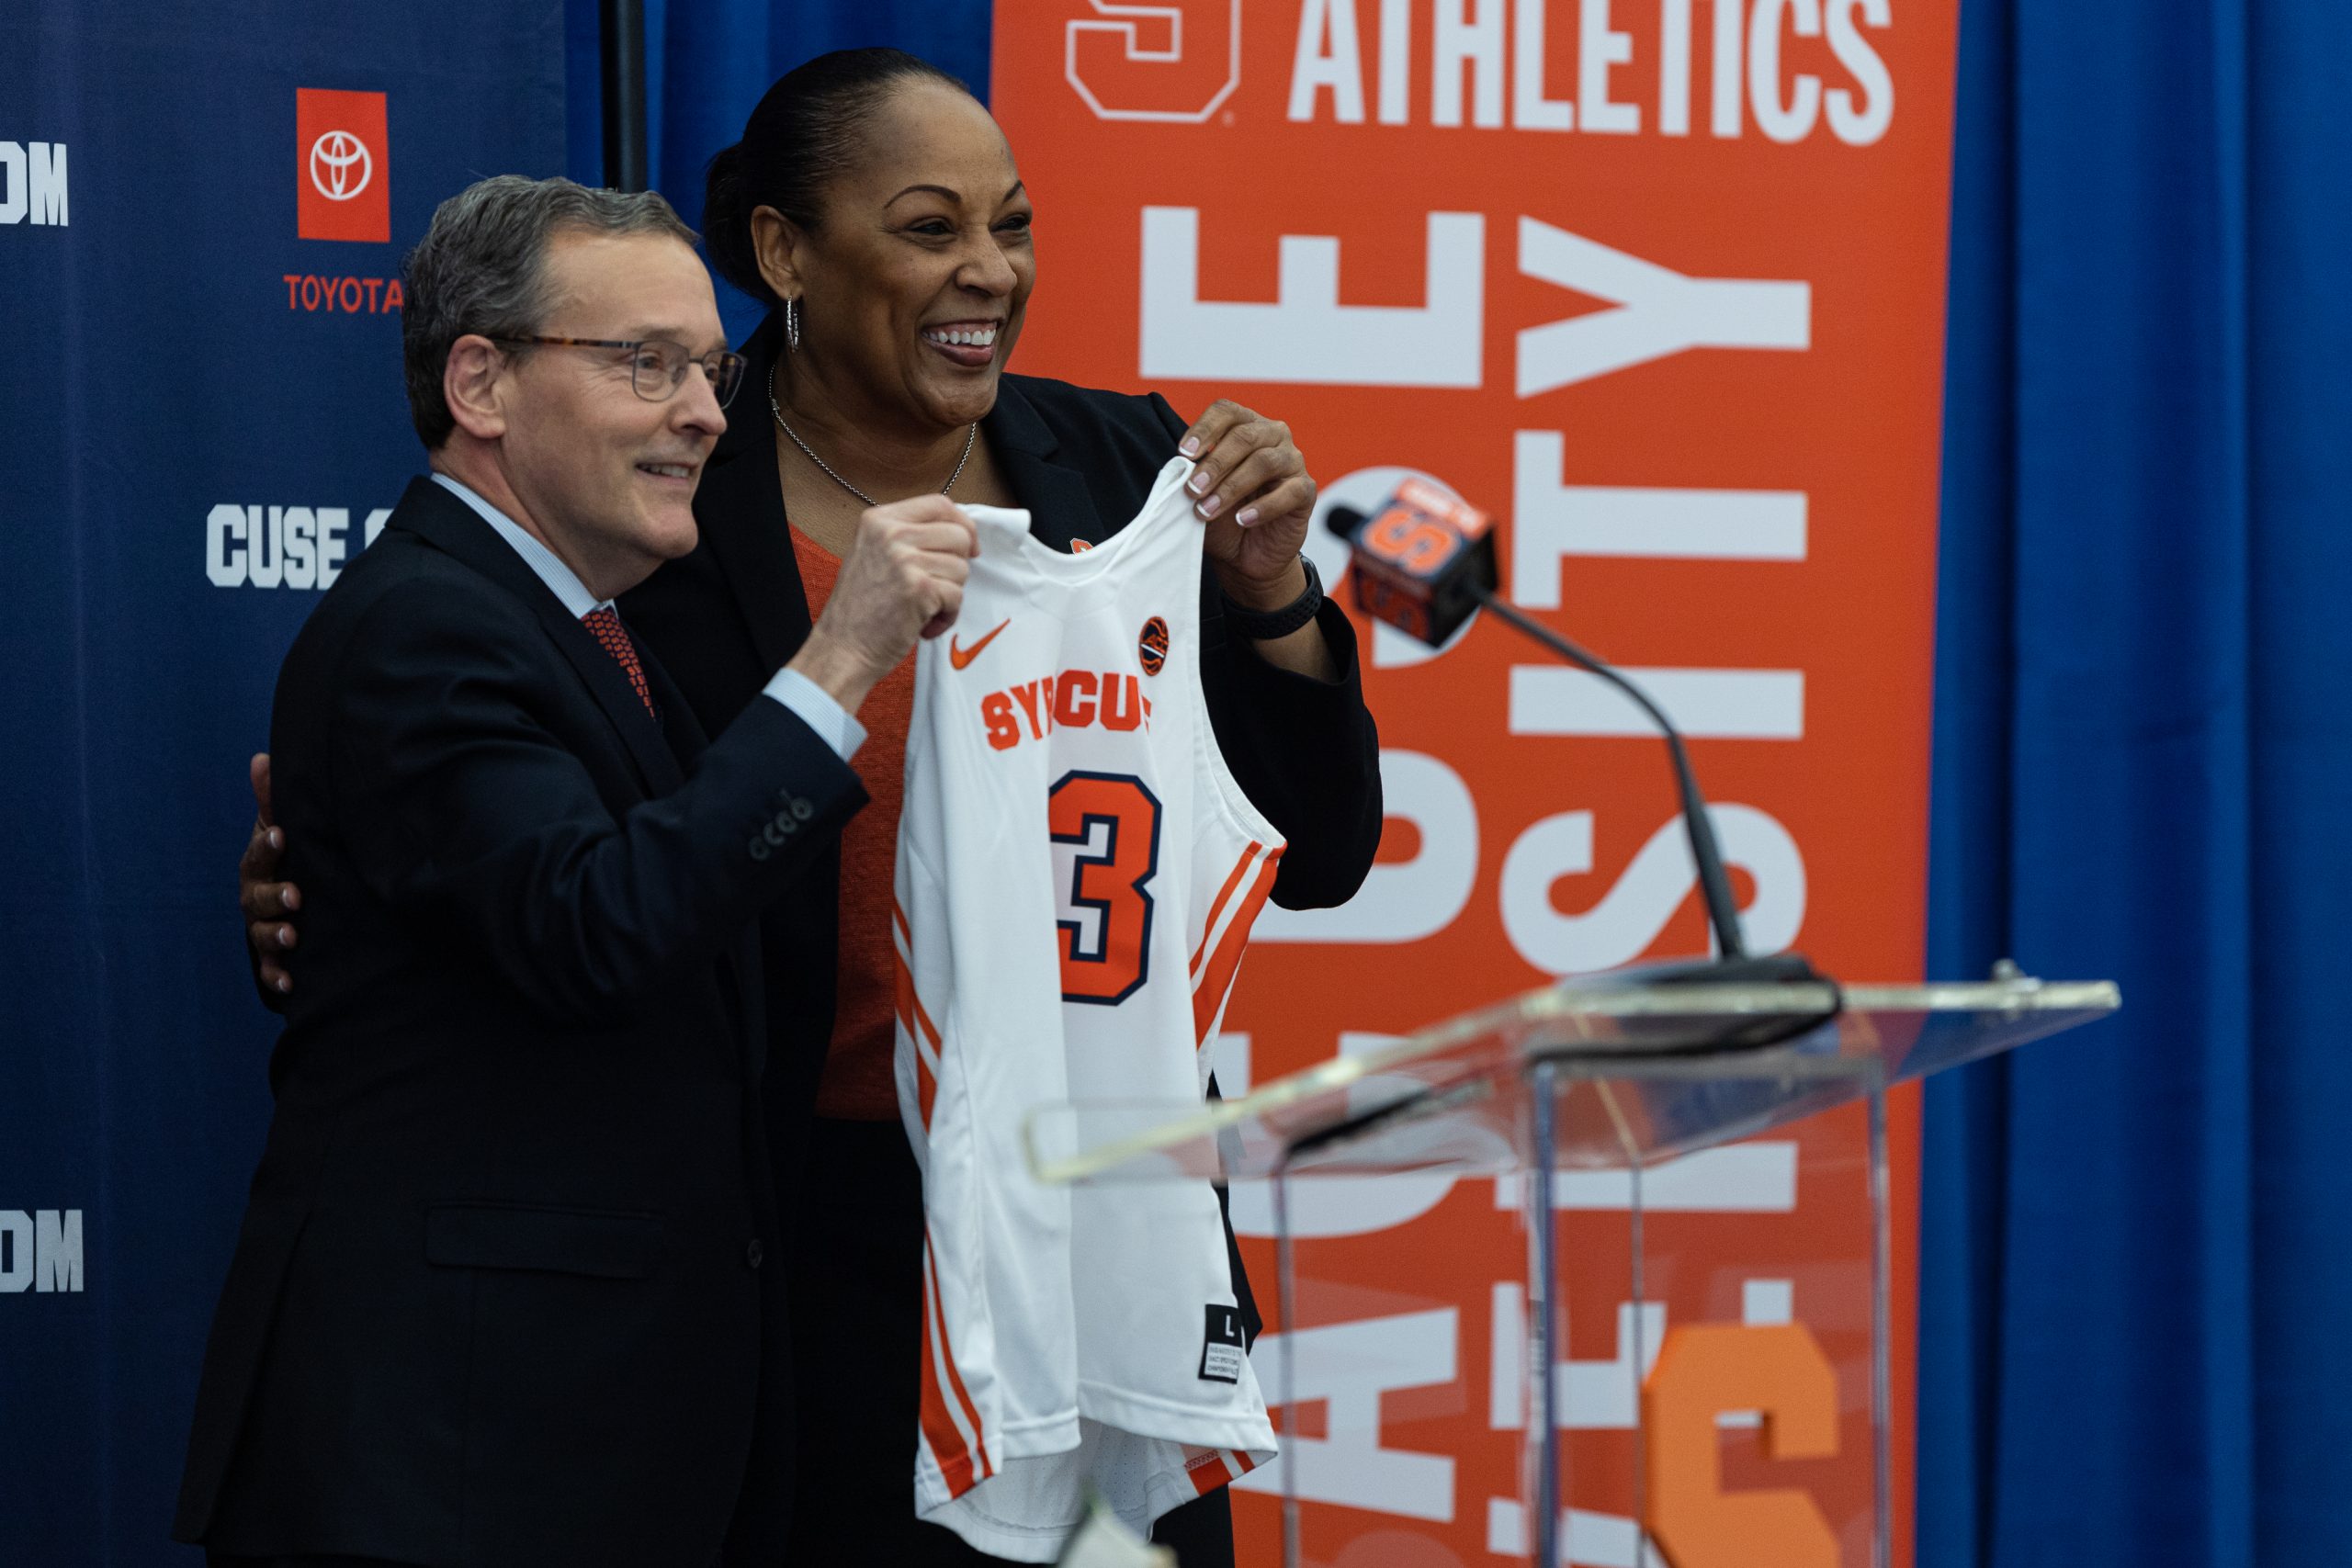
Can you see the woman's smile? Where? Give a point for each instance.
(970, 342)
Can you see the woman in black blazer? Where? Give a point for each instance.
(873, 204)
(859, 270)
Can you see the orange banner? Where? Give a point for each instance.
(1660, 283)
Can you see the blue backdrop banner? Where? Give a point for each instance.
(2134, 1282)
(202, 215)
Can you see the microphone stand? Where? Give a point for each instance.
(1731, 965)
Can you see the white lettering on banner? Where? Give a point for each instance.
(1348, 1366)
(1629, 917)
(32, 183)
(1790, 119)
(1767, 1304)
(1307, 336)
(1326, 58)
(1469, 32)
(1395, 62)
(1725, 103)
(1120, 76)
(1751, 45)
(1401, 901)
(1329, 1205)
(1660, 313)
(1861, 127)
(1529, 109)
(1758, 1178)
(40, 1251)
(16, 1251)
(1674, 66)
(1712, 705)
(1587, 1539)
(1552, 521)
(1589, 1396)
(281, 547)
(1600, 47)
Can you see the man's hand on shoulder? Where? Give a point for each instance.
(270, 905)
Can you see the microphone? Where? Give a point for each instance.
(1423, 562)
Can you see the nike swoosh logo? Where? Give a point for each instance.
(960, 657)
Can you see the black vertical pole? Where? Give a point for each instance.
(623, 32)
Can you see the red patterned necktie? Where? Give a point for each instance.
(605, 625)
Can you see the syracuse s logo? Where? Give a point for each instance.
(1151, 646)
(1177, 60)
(340, 166)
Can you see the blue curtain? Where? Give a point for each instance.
(708, 61)
(2136, 1292)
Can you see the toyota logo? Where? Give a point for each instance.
(340, 166)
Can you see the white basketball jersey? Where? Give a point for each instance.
(1077, 877)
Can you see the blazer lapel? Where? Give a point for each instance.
(1060, 506)
(740, 513)
(451, 525)
(680, 729)
(739, 508)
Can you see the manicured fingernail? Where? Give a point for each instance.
(284, 983)
(288, 898)
(278, 837)
(1197, 483)
(1249, 514)
(1190, 446)
(1208, 507)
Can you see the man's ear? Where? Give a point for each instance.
(777, 241)
(473, 383)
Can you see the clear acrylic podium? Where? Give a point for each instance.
(1623, 1073)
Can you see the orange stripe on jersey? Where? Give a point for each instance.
(939, 1436)
(915, 1018)
(1210, 987)
(1216, 908)
(912, 1017)
(944, 1428)
(1208, 1469)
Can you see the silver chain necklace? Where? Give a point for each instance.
(777, 408)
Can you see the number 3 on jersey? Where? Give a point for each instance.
(1106, 829)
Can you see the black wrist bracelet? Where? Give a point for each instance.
(1264, 626)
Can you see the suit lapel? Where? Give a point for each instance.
(740, 513)
(739, 509)
(451, 525)
(1061, 507)
(680, 729)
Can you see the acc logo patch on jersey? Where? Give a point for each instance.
(1152, 645)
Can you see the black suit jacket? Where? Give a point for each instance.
(498, 1295)
(1082, 461)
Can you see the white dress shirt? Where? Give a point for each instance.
(834, 723)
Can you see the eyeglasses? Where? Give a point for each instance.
(657, 366)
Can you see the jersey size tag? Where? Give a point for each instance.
(1222, 1348)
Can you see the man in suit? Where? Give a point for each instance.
(503, 1292)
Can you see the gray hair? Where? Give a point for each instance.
(482, 267)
